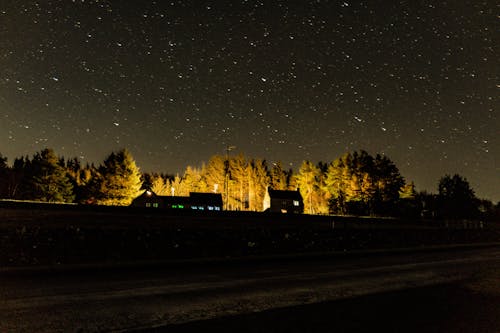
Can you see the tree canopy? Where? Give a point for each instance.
(355, 183)
(120, 180)
(456, 197)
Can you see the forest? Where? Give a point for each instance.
(355, 183)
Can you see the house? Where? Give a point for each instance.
(195, 201)
(280, 201)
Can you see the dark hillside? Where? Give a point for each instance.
(46, 234)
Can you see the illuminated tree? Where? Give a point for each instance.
(336, 184)
(408, 192)
(121, 179)
(50, 181)
(160, 185)
(258, 181)
(214, 174)
(238, 185)
(193, 180)
(360, 184)
(177, 187)
(309, 182)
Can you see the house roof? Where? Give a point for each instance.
(194, 198)
(283, 194)
(206, 197)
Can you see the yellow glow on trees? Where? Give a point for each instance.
(50, 179)
(361, 184)
(258, 181)
(121, 180)
(309, 182)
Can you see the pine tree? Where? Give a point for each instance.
(50, 181)
(238, 185)
(4, 177)
(89, 183)
(193, 180)
(17, 180)
(310, 185)
(389, 180)
(408, 191)
(159, 185)
(258, 181)
(121, 179)
(335, 185)
(214, 175)
(178, 187)
(361, 184)
(278, 177)
(456, 198)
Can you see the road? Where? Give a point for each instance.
(135, 297)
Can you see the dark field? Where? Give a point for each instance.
(53, 235)
(431, 289)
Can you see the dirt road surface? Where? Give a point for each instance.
(259, 295)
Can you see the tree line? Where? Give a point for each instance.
(355, 183)
(49, 178)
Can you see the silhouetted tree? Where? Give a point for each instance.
(88, 189)
(456, 198)
(408, 204)
(388, 184)
(4, 177)
(19, 185)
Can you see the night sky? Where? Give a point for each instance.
(178, 81)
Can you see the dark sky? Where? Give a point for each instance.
(178, 81)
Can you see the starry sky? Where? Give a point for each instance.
(176, 82)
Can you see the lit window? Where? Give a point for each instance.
(217, 208)
(181, 206)
(174, 206)
(148, 204)
(156, 205)
(296, 203)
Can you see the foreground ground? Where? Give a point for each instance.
(472, 306)
(35, 234)
(440, 290)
